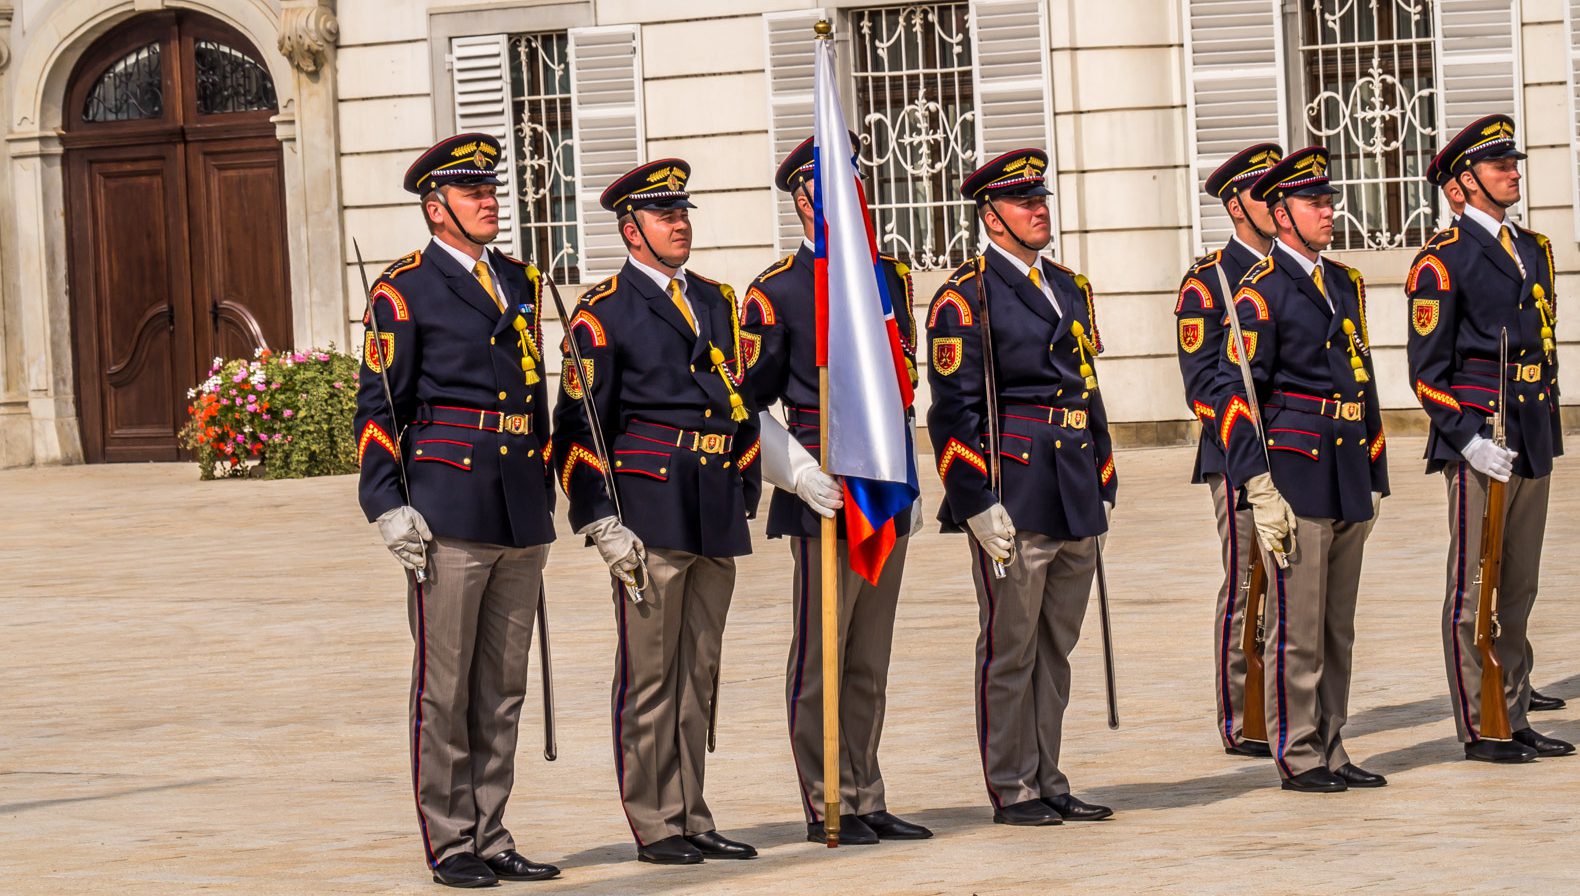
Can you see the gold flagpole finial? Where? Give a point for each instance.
(823, 29)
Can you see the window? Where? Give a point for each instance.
(916, 111)
(545, 182)
(131, 89)
(1370, 97)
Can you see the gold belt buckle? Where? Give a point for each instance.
(1529, 373)
(711, 443)
(1074, 419)
(1350, 410)
(515, 424)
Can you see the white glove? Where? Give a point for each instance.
(1108, 512)
(1376, 512)
(1274, 518)
(916, 515)
(621, 550)
(993, 530)
(1488, 459)
(819, 491)
(406, 534)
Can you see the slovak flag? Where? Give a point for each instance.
(869, 390)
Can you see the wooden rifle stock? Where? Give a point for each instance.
(1494, 706)
(1254, 725)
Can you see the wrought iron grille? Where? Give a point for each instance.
(916, 108)
(131, 89)
(1371, 99)
(229, 80)
(540, 90)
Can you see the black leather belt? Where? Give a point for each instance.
(689, 439)
(1069, 418)
(475, 418)
(1322, 407)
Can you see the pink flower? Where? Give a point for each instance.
(266, 417)
(287, 413)
(259, 386)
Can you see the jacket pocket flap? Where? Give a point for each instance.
(445, 451)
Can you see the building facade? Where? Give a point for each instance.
(185, 178)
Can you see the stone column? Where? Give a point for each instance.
(309, 133)
(16, 439)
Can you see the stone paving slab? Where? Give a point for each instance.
(206, 690)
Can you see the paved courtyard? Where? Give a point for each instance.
(206, 685)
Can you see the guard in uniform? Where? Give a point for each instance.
(1316, 484)
(779, 340)
(455, 473)
(1206, 294)
(1452, 191)
(1058, 483)
(661, 352)
(1470, 283)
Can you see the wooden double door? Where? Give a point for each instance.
(175, 221)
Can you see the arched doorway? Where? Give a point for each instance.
(175, 221)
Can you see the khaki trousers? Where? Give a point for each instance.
(1237, 539)
(666, 663)
(1524, 527)
(866, 633)
(1029, 622)
(472, 627)
(1311, 634)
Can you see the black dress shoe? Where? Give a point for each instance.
(1031, 813)
(464, 870)
(1072, 809)
(1543, 703)
(891, 827)
(714, 845)
(1355, 776)
(1543, 745)
(669, 851)
(1317, 780)
(512, 865)
(852, 832)
(1498, 751)
(1249, 748)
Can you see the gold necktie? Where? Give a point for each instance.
(1036, 276)
(481, 270)
(1316, 277)
(1506, 240)
(679, 298)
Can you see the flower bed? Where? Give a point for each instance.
(278, 415)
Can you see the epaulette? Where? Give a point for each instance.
(603, 290)
(1206, 262)
(708, 280)
(403, 264)
(900, 266)
(1340, 265)
(966, 270)
(778, 267)
(1442, 238)
(1259, 270)
(1061, 267)
(531, 269)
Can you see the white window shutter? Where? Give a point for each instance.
(606, 122)
(789, 40)
(1572, 32)
(481, 81)
(1235, 94)
(1009, 60)
(1478, 56)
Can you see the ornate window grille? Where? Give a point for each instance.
(1372, 100)
(540, 92)
(131, 89)
(915, 108)
(229, 80)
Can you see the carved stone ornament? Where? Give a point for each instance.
(306, 34)
(6, 13)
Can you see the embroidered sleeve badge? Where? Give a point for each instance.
(751, 347)
(378, 361)
(571, 382)
(1424, 315)
(1250, 347)
(1192, 332)
(947, 354)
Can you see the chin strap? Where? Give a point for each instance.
(445, 202)
(1284, 204)
(1010, 230)
(1270, 237)
(1483, 188)
(649, 243)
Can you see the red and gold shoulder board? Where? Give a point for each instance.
(403, 264)
(1259, 270)
(778, 267)
(1442, 238)
(603, 290)
(1207, 262)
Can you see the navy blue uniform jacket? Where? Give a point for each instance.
(1202, 324)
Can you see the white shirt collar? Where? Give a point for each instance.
(1305, 263)
(467, 262)
(809, 245)
(1255, 253)
(1486, 223)
(1021, 266)
(1025, 269)
(658, 276)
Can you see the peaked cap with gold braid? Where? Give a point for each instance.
(1301, 173)
(1242, 170)
(657, 185)
(1486, 138)
(462, 159)
(1016, 173)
